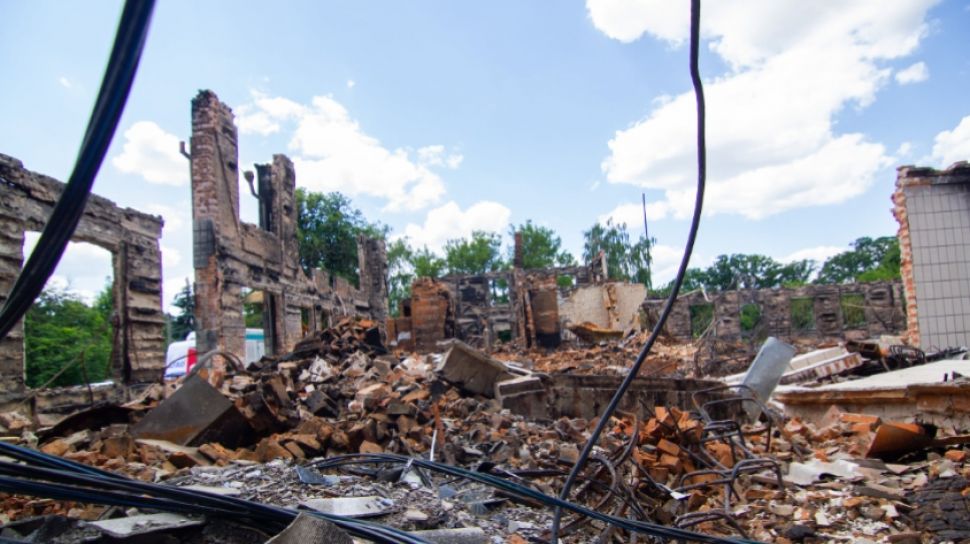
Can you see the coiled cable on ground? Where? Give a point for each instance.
(635, 526)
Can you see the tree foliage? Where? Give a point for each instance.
(181, 324)
(400, 274)
(541, 247)
(475, 255)
(625, 261)
(327, 230)
(747, 271)
(427, 264)
(870, 259)
(59, 329)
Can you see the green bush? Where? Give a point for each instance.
(59, 329)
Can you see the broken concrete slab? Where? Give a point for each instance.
(133, 526)
(592, 333)
(189, 455)
(524, 395)
(195, 414)
(351, 507)
(897, 395)
(309, 529)
(812, 471)
(465, 535)
(472, 370)
(766, 371)
(831, 366)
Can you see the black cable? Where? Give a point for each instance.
(77, 482)
(653, 529)
(695, 16)
(115, 86)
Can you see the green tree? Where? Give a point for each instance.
(400, 274)
(541, 247)
(327, 230)
(870, 259)
(181, 324)
(60, 329)
(743, 271)
(625, 261)
(476, 255)
(426, 264)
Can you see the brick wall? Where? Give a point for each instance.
(26, 201)
(230, 255)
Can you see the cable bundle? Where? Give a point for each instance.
(51, 477)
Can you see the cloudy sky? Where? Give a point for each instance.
(438, 118)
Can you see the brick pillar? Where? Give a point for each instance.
(215, 224)
(906, 261)
(12, 345)
(372, 262)
(138, 303)
(518, 255)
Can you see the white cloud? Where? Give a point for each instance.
(818, 254)
(771, 137)
(335, 154)
(83, 269)
(449, 221)
(904, 150)
(171, 257)
(666, 261)
(66, 83)
(434, 155)
(913, 74)
(170, 288)
(175, 219)
(351, 83)
(153, 154)
(627, 20)
(632, 215)
(951, 146)
(263, 115)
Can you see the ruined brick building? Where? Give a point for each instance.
(231, 256)
(132, 238)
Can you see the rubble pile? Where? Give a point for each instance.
(612, 358)
(728, 465)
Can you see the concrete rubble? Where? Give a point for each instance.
(691, 458)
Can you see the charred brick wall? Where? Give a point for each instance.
(932, 208)
(26, 201)
(812, 311)
(231, 255)
(515, 305)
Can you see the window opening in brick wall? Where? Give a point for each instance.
(701, 318)
(802, 314)
(750, 317)
(853, 310)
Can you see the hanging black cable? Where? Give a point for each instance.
(115, 86)
(695, 17)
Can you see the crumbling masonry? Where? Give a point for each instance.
(526, 307)
(26, 201)
(933, 211)
(230, 255)
(853, 311)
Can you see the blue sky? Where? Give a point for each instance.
(439, 118)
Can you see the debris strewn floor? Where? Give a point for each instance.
(274, 434)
